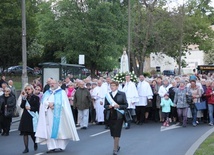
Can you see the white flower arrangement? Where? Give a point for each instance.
(120, 77)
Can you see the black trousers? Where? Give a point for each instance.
(140, 113)
(92, 114)
(6, 124)
(74, 111)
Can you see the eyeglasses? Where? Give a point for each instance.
(7, 91)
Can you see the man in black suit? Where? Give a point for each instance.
(115, 103)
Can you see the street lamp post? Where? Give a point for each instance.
(24, 51)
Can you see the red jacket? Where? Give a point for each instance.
(209, 95)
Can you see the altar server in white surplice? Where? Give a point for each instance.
(56, 124)
(145, 95)
(99, 102)
(131, 95)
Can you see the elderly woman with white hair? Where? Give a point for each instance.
(173, 114)
(164, 89)
(7, 106)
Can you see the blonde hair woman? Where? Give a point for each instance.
(30, 105)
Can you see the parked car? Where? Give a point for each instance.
(169, 72)
(86, 72)
(17, 70)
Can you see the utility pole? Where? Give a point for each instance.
(129, 33)
(181, 39)
(24, 49)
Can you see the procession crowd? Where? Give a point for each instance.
(80, 102)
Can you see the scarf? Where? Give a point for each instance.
(181, 88)
(70, 91)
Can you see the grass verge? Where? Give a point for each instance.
(207, 147)
(17, 81)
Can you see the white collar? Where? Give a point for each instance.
(114, 93)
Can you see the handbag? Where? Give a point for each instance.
(8, 112)
(189, 99)
(107, 114)
(201, 105)
(127, 116)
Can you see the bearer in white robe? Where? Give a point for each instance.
(102, 90)
(145, 95)
(131, 95)
(56, 125)
(94, 95)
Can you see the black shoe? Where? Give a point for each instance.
(26, 151)
(118, 149)
(140, 123)
(6, 134)
(35, 146)
(84, 127)
(3, 133)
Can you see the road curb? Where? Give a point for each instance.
(195, 146)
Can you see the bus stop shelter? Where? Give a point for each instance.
(59, 71)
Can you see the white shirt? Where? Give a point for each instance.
(114, 93)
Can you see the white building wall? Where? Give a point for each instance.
(162, 60)
(193, 58)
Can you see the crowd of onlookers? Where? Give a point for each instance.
(183, 91)
(172, 99)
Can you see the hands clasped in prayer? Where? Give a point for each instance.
(51, 105)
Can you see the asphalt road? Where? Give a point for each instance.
(148, 139)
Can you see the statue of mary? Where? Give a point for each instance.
(124, 63)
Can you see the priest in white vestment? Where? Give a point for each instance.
(131, 95)
(145, 95)
(56, 125)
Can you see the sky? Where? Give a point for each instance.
(174, 3)
(179, 2)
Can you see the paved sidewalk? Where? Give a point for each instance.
(15, 124)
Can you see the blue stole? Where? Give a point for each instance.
(35, 116)
(56, 111)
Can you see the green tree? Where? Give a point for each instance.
(97, 30)
(171, 32)
(10, 32)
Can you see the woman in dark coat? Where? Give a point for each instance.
(30, 105)
(8, 103)
(115, 117)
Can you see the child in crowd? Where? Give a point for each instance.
(166, 104)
